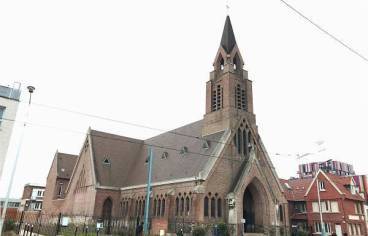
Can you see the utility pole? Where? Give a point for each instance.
(146, 211)
(320, 209)
(2, 219)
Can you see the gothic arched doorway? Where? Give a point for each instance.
(254, 207)
(106, 214)
(248, 211)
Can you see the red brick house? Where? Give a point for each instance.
(342, 205)
(209, 171)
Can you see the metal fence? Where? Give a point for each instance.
(36, 223)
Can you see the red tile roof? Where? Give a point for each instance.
(297, 188)
(341, 182)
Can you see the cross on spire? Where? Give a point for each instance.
(227, 7)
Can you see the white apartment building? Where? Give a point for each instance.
(9, 100)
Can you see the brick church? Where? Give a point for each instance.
(209, 171)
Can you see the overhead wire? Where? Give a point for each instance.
(350, 48)
(128, 140)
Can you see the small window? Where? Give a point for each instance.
(106, 161)
(184, 150)
(164, 155)
(322, 186)
(206, 144)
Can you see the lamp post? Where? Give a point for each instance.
(320, 209)
(146, 211)
(31, 89)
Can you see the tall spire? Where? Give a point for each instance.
(228, 38)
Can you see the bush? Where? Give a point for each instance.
(222, 229)
(9, 225)
(301, 233)
(199, 231)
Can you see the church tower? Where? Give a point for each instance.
(229, 91)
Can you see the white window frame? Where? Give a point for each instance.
(322, 186)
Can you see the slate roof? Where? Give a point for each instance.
(228, 38)
(127, 157)
(65, 164)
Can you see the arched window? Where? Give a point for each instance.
(245, 142)
(239, 140)
(155, 207)
(139, 207)
(187, 206)
(163, 207)
(136, 208)
(182, 206)
(177, 206)
(243, 100)
(159, 208)
(106, 213)
(238, 97)
(143, 207)
(281, 213)
(127, 208)
(249, 142)
(219, 207)
(213, 207)
(221, 63)
(217, 98)
(235, 63)
(205, 207)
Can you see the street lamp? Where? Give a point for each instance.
(31, 89)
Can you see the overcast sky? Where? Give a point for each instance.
(147, 62)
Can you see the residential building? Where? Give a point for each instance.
(32, 198)
(12, 209)
(9, 100)
(57, 181)
(209, 171)
(341, 203)
(336, 167)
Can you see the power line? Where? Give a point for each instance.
(126, 122)
(326, 32)
(231, 158)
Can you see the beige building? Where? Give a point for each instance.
(215, 170)
(9, 100)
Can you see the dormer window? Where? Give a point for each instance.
(322, 186)
(206, 144)
(106, 162)
(164, 155)
(184, 150)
